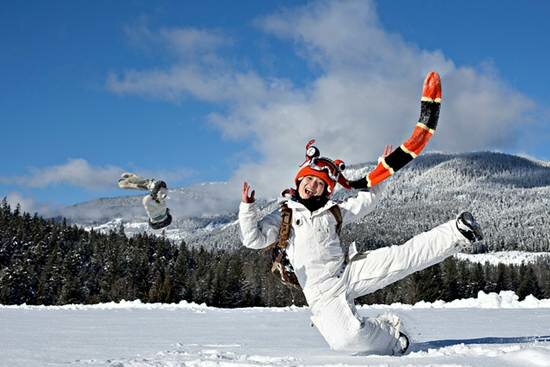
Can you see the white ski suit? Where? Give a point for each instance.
(331, 282)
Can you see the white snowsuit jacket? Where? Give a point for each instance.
(330, 282)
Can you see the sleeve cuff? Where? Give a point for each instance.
(246, 207)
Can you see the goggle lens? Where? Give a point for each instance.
(325, 165)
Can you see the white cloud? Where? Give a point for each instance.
(189, 42)
(182, 81)
(80, 173)
(199, 72)
(367, 94)
(77, 172)
(27, 204)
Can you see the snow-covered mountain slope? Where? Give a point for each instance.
(504, 257)
(508, 194)
(196, 209)
(491, 331)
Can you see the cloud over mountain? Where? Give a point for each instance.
(364, 94)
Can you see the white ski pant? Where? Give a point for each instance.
(334, 312)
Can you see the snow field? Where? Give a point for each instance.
(491, 330)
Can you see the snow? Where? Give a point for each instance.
(504, 257)
(504, 299)
(490, 330)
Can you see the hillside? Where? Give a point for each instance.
(508, 194)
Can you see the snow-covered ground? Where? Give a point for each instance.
(504, 257)
(491, 330)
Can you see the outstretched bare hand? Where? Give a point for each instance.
(246, 198)
(387, 150)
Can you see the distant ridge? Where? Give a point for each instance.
(510, 196)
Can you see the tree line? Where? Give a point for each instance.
(49, 262)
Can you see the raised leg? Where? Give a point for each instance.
(376, 269)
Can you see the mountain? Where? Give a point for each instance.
(216, 209)
(509, 195)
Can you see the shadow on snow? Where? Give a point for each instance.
(424, 346)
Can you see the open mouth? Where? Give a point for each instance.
(308, 192)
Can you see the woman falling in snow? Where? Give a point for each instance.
(332, 276)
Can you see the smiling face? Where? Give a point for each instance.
(311, 186)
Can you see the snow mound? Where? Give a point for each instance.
(536, 355)
(122, 305)
(504, 299)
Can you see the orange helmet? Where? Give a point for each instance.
(324, 168)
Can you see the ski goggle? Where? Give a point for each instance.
(330, 167)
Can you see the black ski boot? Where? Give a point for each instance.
(468, 226)
(158, 190)
(402, 344)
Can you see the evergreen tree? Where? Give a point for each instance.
(464, 283)
(71, 291)
(51, 281)
(50, 262)
(478, 280)
(181, 273)
(430, 284)
(529, 284)
(236, 285)
(18, 284)
(503, 281)
(450, 284)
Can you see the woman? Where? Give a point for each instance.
(333, 276)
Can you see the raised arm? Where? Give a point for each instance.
(392, 161)
(256, 232)
(430, 104)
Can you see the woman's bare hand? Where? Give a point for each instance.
(246, 197)
(387, 150)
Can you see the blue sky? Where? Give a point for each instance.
(232, 90)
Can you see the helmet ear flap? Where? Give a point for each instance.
(341, 179)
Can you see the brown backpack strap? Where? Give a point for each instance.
(337, 212)
(286, 225)
(284, 229)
